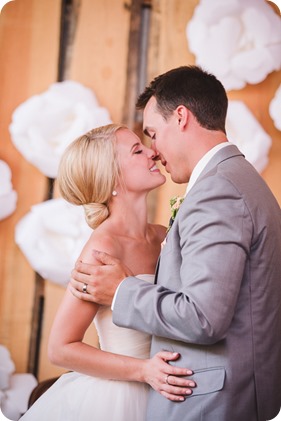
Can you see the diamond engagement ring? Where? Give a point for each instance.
(84, 289)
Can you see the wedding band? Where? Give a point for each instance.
(166, 379)
(84, 289)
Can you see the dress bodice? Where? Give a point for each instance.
(122, 340)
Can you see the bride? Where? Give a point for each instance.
(109, 172)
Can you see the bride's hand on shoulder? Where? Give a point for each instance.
(168, 380)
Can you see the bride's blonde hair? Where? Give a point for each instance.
(88, 172)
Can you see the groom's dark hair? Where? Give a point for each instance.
(199, 91)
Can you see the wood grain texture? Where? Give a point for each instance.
(28, 57)
(100, 51)
(98, 60)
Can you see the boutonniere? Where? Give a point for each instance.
(175, 203)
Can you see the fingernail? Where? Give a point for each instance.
(192, 384)
(175, 353)
(189, 372)
(188, 392)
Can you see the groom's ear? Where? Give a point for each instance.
(182, 116)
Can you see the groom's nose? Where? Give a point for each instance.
(155, 156)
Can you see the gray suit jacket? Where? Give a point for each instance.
(217, 300)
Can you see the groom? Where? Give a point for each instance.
(217, 297)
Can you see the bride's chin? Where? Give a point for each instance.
(162, 182)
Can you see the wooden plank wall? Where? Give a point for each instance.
(101, 60)
(28, 57)
(98, 61)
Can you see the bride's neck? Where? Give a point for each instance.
(130, 216)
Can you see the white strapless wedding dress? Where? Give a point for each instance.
(77, 397)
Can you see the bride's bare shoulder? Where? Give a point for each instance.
(101, 240)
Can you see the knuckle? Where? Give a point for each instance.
(97, 271)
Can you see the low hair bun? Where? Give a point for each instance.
(95, 213)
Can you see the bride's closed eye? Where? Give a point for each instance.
(139, 151)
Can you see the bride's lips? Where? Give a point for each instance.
(154, 168)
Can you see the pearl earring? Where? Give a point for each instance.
(114, 193)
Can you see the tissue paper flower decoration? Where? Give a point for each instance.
(51, 236)
(247, 134)
(275, 109)
(8, 196)
(44, 125)
(15, 389)
(7, 367)
(237, 40)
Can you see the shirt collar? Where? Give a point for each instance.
(199, 167)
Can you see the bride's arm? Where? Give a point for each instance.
(67, 349)
(65, 345)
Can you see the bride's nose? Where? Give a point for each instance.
(153, 154)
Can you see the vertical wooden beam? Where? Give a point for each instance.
(136, 61)
(143, 52)
(36, 325)
(129, 110)
(137, 74)
(69, 20)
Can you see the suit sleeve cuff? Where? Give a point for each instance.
(115, 295)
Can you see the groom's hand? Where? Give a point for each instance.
(98, 283)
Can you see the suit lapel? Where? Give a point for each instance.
(157, 269)
(222, 155)
(226, 153)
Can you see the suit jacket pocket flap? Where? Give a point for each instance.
(208, 380)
